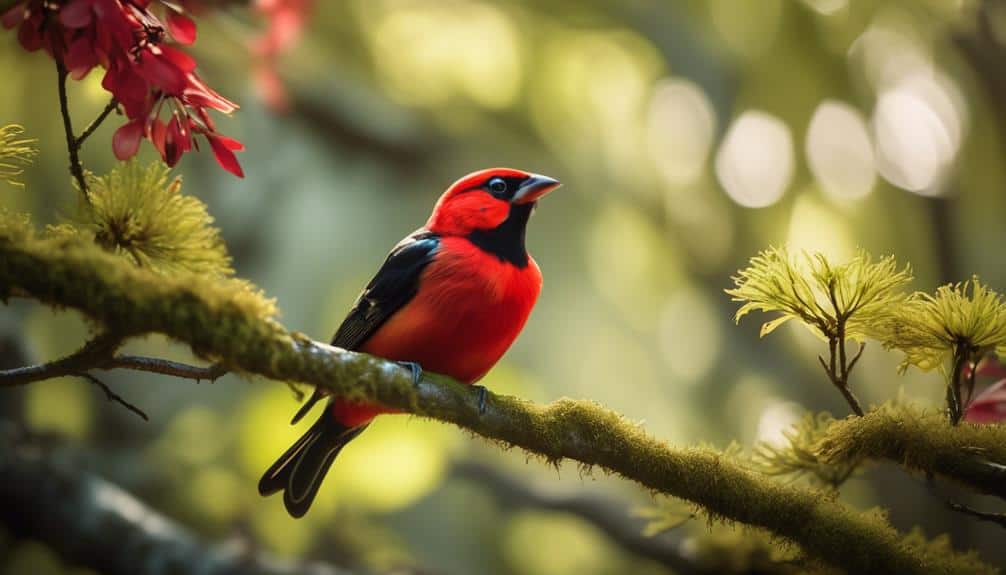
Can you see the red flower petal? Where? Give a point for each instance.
(29, 36)
(231, 143)
(76, 14)
(126, 140)
(184, 62)
(157, 134)
(158, 70)
(80, 58)
(14, 16)
(989, 406)
(172, 151)
(225, 157)
(198, 93)
(270, 88)
(181, 28)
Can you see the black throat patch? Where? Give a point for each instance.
(506, 241)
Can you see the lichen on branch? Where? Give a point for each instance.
(923, 441)
(228, 322)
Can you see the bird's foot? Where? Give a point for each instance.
(483, 393)
(416, 369)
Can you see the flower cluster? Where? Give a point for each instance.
(965, 318)
(154, 82)
(858, 294)
(285, 21)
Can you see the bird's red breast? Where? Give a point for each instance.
(469, 309)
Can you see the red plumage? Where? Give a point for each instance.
(452, 297)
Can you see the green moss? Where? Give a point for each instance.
(974, 455)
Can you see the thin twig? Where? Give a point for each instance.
(166, 367)
(112, 396)
(997, 518)
(93, 353)
(76, 169)
(94, 124)
(855, 358)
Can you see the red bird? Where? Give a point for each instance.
(451, 297)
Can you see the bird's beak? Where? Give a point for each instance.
(534, 188)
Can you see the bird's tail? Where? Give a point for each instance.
(300, 471)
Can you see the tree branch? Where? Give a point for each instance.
(972, 455)
(76, 169)
(997, 518)
(95, 123)
(95, 524)
(210, 316)
(99, 353)
(114, 397)
(166, 367)
(611, 517)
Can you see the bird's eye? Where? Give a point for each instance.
(497, 185)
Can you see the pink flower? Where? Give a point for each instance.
(989, 406)
(147, 75)
(285, 22)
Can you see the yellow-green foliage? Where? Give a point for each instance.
(800, 456)
(974, 455)
(15, 153)
(929, 328)
(811, 289)
(141, 212)
(668, 513)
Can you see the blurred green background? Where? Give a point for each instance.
(688, 135)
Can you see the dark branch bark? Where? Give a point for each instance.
(99, 353)
(997, 518)
(114, 397)
(166, 367)
(95, 524)
(76, 169)
(95, 123)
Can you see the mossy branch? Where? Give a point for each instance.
(973, 455)
(228, 324)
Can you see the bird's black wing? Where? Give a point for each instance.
(394, 285)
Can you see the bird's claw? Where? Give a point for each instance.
(415, 369)
(482, 393)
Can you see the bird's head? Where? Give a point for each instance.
(488, 200)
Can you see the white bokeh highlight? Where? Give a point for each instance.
(839, 151)
(919, 126)
(755, 161)
(680, 126)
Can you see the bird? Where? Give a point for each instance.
(450, 298)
